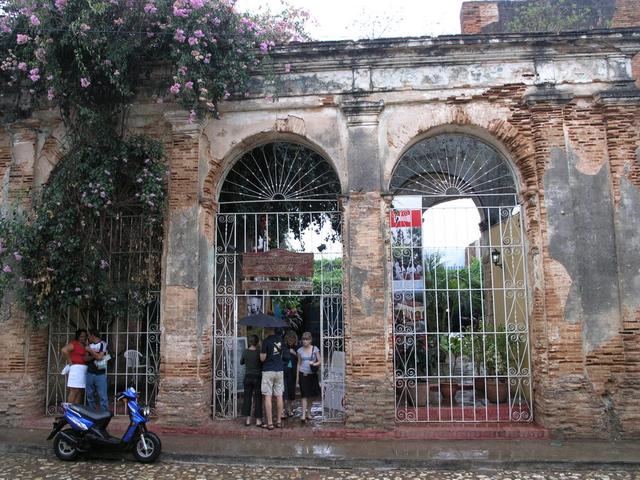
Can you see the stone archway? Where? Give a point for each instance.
(278, 195)
(460, 308)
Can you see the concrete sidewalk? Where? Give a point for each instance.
(278, 449)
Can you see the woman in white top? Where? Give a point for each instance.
(308, 357)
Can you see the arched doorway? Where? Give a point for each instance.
(461, 336)
(278, 200)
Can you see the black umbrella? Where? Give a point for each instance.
(262, 320)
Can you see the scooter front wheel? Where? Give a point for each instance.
(63, 448)
(147, 447)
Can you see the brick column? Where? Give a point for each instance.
(578, 343)
(621, 108)
(556, 347)
(24, 352)
(369, 391)
(184, 395)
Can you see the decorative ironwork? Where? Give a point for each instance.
(461, 341)
(453, 165)
(280, 176)
(316, 233)
(134, 339)
(277, 196)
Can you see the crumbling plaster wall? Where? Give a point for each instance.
(361, 105)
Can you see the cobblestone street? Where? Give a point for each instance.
(17, 466)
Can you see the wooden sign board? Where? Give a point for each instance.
(295, 285)
(277, 263)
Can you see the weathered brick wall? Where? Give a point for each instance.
(627, 14)
(24, 359)
(475, 16)
(369, 387)
(184, 396)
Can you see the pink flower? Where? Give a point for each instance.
(118, 21)
(34, 74)
(175, 88)
(195, 4)
(4, 27)
(179, 36)
(287, 67)
(22, 66)
(198, 34)
(192, 41)
(180, 12)
(51, 94)
(20, 38)
(188, 85)
(192, 117)
(150, 8)
(6, 269)
(17, 256)
(35, 21)
(85, 82)
(104, 264)
(60, 4)
(264, 47)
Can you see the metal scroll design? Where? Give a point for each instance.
(133, 338)
(316, 232)
(461, 333)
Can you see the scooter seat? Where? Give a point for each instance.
(90, 414)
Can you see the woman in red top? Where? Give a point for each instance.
(75, 352)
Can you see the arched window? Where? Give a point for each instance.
(459, 285)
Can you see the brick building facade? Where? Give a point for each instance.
(562, 109)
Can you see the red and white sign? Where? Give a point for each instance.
(406, 218)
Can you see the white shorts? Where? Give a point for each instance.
(77, 376)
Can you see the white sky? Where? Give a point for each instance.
(356, 19)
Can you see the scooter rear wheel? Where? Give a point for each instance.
(63, 449)
(147, 447)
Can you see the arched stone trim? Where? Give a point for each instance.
(516, 146)
(218, 169)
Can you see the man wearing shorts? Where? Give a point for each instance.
(272, 376)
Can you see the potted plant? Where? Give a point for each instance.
(454, 346)
(426, 365)
(490, 357)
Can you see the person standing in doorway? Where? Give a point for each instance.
(290, 359)
(96, 374)
(272, 377)
(309, 362)
(74, 352)
(252, 381)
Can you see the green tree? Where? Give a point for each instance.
(555, 16)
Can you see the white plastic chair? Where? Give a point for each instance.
(132, 360)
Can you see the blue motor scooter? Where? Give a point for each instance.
(88, 429)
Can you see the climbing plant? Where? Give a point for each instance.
(88, 59)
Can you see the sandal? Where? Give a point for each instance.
(268, 427)
(279, 425)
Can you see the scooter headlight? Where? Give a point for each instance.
(146, 411)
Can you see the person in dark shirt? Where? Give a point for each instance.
(252, 381)
(290, 359)
(96, 376)
(272, 376)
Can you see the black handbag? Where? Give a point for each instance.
(314, 368)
